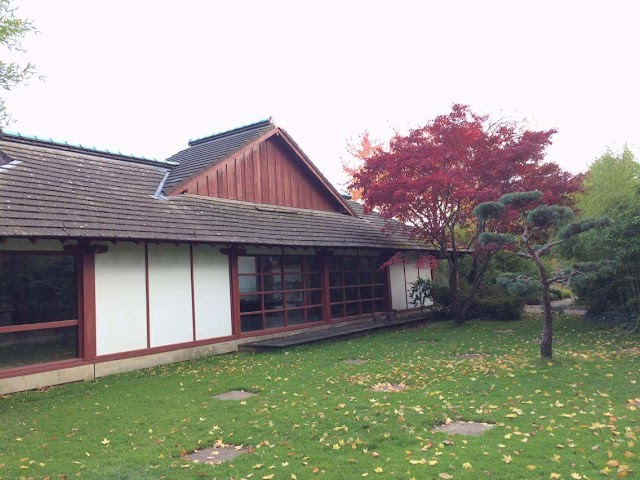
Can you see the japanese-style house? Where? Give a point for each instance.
(110, 262)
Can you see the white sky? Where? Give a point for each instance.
(143, 77)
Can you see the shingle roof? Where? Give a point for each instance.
(50, 192)
(205, 152)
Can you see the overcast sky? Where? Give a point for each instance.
(144, 77)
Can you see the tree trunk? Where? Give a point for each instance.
(547, 331)
(457, 310)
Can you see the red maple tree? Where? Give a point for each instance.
(431, 179)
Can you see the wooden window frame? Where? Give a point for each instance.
(359, 301)
(260, 274)
(39, 326)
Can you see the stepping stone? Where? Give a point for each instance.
(506, 330)
(218, 454)
(464, 428)
(234, 395)
(354, 361)
(389, 387)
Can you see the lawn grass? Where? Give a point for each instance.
(315, 417)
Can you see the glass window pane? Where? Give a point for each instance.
(351, 293)
(295, 317)
(351, 278)
(250, 303)
(366, 307)
(293, 281)
(270, 264)
(313, 280)
(335, 279)
(273, 301)
(251, 323)
(250, 283)
(292, 264)
(335, 263)
(272, 282)
(366, 292)
(363, 263)
(378, 276)
(314, 314)
(38, 346)
(37, 288)
(375, 263)
(295, 299)
(337, 311)
(336, 295)
(314, 297)
(350, 263)
(312, 263)
(274, 320)
(379, 305)
(247, 264)
(365, 278)
(378, 291)
(352, 309)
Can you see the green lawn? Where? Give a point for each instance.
(315, 417)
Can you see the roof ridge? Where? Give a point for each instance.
(79, 148)
(233, 131)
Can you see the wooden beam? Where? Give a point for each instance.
(88, 306)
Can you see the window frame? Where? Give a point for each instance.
(39, 326)
(260, 273)
(341, 270)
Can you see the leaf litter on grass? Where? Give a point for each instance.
(570, 418)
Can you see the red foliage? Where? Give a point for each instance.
(433, 177)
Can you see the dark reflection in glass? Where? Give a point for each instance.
(292, 281)
(37, 289)
(295, 299)
(273, 301)
(352, 309)
(272, 282)
(295, 317)
(336, 295)
(251, 323)
(314, 314)
(274, 319)
(38, 346)
(314, 297)
(312, 280)
(250, 303)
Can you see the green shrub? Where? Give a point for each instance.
(490, 303)
(493, 303)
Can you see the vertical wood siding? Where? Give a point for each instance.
(268, 173)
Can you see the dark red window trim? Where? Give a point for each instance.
(85, 282)
(373, 299)
(28, 327)
(260, 275)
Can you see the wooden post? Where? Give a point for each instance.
(88, 306)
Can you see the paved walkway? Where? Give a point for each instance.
(567, 304)
(330, 333)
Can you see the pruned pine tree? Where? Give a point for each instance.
(539, 230)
